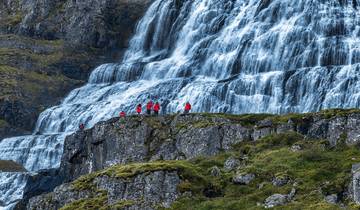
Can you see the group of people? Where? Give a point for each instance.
(155, 108)
(150, 107)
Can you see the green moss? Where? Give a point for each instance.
(123, 204)
(8, 56)
(3, 123)
(317, 172)
(11, 166)
(98, 202)
(30, 84)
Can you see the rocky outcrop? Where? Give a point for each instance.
(141, 139)
(146, 190)
(56, 44)
(354, 188)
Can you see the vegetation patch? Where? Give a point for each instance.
(98, 202)
(315, 171)
(11, 166)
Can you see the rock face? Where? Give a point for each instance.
(144, 191)
(354, 188)
(55, 44)
(140, 139)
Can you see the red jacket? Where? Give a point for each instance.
(187, 106)
(157, 107)
(149, 105)
(122, 114)
(138, 109)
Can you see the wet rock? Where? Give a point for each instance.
(231, 164)
(215, 171)
(244, 179)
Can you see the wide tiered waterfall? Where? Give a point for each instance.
(235, 56)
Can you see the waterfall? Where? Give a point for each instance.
(233, 56)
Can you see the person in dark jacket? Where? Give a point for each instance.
(149, 107)
(81, 126)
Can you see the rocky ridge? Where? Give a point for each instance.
(176, 156)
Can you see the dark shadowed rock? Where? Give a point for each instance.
(280, 181)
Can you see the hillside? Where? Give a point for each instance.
(212, 161)
(48, 48)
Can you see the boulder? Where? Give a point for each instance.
(332, 199)
(244, 179)
(280, 181)
(279, 199)
(231, 164)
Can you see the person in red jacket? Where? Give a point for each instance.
(187, 108)
(156, 108)
(139, 109)
(149, 107)
(122, 114)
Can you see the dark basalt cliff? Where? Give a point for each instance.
(47, 48)
(183, 161)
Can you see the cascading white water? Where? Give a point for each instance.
(235, 56)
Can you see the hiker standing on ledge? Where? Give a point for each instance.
(138, 109)
(149, 107)
(187, 108)
(81, 126)
(122, 114)
(156, 108)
